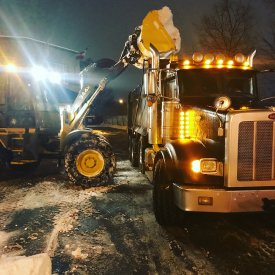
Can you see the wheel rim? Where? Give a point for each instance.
(90, 163)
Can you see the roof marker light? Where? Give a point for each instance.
(186, 62)
(197, 57)
(239, 58)
(209, 58)
(230, 63)
(220, 58)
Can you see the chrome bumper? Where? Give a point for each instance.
(223, 201)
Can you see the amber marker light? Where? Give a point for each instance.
(186, 124)
(230, 63)
(205, 200)
(186, 62)
(246, 65)
(196, 167)
(208, 59)
(181, 133)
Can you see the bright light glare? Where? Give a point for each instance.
(121, 101)
(55, 77)
(39, 73)
(11, 68)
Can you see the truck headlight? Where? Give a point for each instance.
(208, 166)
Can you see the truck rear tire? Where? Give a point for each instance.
(165, 210)
(134, 153)
(141, 155)
(90, 161)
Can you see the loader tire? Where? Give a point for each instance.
(166, 212)
(90, 161)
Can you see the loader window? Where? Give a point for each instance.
(214, 82)
(19, 96)
(2, 89)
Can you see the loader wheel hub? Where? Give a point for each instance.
(90, 163)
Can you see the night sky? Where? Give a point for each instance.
(103, 26)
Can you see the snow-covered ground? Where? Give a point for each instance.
(112, 229)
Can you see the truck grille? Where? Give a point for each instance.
(255, 151)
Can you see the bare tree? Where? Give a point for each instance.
(228, 28)
(269, 37)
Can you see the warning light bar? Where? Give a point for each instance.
(199, 60)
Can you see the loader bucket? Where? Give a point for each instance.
(158, 29)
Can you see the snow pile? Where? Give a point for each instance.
(78, 254)
(39, 264)
(166, 18)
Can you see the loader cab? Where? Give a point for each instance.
(27, 103)
(16, 104)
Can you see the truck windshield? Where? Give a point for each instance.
(214, 82)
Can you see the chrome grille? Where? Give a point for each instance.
(255, 151)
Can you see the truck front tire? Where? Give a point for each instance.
(90, 161)
(165, 210)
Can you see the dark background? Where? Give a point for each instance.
(104, 26)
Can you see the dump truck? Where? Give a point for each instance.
(199, 129)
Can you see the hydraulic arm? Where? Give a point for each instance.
(157, 30)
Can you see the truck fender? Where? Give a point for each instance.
(165, 155)
(182, 154)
